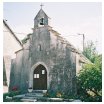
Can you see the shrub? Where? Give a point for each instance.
(10, 94)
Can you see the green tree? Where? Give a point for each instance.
(90, 77)
(90, 51)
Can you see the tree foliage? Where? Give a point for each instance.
(90, 77)
(90, 51)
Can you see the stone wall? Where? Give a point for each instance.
(57, 57)
(63, 72)
(15, 74)
(26, 66)
(40, 38)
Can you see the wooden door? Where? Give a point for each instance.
(40, 78)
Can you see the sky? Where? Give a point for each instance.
(67, 18)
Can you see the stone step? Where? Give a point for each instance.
(19, 96)
(28, 100)
(39, 91)
(32, 97)
(55, 99)
(34, 94)
(29, 97)
(37, 99)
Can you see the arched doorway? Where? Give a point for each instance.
(40, 78)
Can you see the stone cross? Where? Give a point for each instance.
(41, 5)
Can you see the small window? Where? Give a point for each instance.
(43, 71)
(36, 75)
(39, 47)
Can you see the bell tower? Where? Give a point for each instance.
(41, 19)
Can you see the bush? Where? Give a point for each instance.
(10, 94)
(89, 83)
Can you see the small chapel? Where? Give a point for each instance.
(47, 61)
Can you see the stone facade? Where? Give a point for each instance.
(45, 47)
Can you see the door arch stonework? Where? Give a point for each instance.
(32, 73)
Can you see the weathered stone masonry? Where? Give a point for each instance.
(45, 47)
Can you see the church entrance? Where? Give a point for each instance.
(40, 78)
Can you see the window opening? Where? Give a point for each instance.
(39, 47)
(42, 21)
(36, 75)
(43, 71)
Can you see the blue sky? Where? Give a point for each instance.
(68, 18)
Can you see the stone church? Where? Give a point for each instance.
(47, 61)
